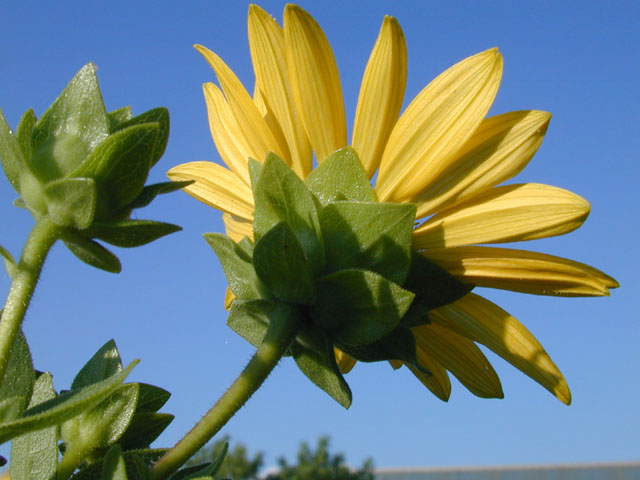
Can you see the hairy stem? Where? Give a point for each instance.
(279, 335)
(27, 272)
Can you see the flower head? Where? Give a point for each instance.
(442, 154)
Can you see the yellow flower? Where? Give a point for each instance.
(441, 154)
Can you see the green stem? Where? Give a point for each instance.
(279, 335)
(27, 272)
(73, 456)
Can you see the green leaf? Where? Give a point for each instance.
(358, 306)
(9, 261)
(371, 236)
(121, 163)
(19, 375)
(433, 285)
(315, 358)
(131, 460)
(160, 116)
(341, 176)
(25, 131)
(281, 264)
(208, 472)
(103, 424)
(92, 253)
(250, 319)
(280, 196)
(34, 456)
(11, 408)
(103, 364)
(239, 272)
(400, 344)
(71, 127)
(151, 398)
(255, 170)
(71, 202)
(144, 429)
(13, 160)
(149, 192)
(113, 466)
(118, 117)
(64, 407)
(131, 233)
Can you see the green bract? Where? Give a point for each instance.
(338, 262)
(85, 168)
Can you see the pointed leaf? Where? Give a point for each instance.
(160, 116)
(144, 429)
(11, 408)
(280, 196)
(118, 117)
(64, 407)
(131, 233)
(210, 470)
(340, 176)
(433, 285)
(71, 201)
(34, 456)
(103, 424)
(92, 253)
(121, 163)
(151, 398)
(134, 460)
(250, 319)
(359, 307)
(400, 344)
(281, 264)
(9, 261)
(71, 127)
(149, 192)
(25, 131)
(239, 272)
(104, 363)
(113, 467)
(370, 236)
(13, 159)
(315, 358)
(19, 374)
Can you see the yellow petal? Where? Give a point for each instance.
(266, 43)
(229, 297)
(460, 356)
(381, 95)
(345, 361)
(522, 271)
(438, 382)
(498, 150)
(226, 133)
(315, 82)
(486, 323)
(216, 186)
(504, 214)
(237, 228)
(255, 130)
(436, 125)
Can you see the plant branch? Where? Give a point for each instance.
(27, 272)
(278, 337)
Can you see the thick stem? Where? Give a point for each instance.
(40, 241)
(279, 335)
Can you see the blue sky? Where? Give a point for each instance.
(578, 60)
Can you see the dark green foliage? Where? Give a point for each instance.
(237, 463)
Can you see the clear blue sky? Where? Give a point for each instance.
(578, 60)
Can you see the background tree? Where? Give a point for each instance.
(311, 464)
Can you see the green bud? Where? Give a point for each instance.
(86, 168)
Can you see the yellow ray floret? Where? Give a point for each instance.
(486, 323)
(522, 271)
(315, 82)
(510, 213)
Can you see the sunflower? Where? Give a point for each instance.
(442, 154)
